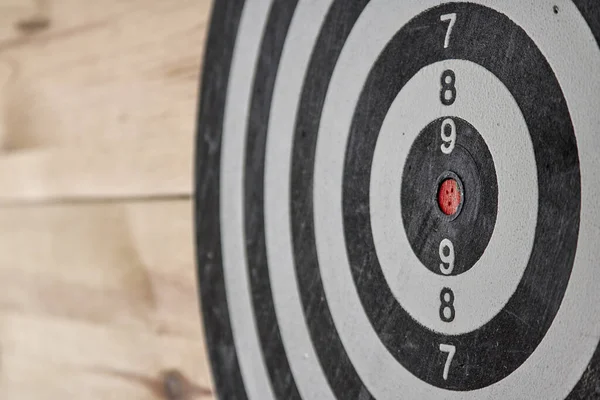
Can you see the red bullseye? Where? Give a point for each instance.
(449, 197)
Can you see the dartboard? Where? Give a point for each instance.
(400, 199)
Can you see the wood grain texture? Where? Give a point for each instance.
(99, 301)
(98, 99)
(98, 295)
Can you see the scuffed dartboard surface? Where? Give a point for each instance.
(400, 199)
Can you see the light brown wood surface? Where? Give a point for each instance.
(98, 98)
(98, 294)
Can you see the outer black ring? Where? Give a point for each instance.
(424, 223)
(495, 350)
(220, 45)
(341, 375)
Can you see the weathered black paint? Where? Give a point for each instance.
(278, 22)
(425, 224)
(217, 61)
(492, 352)
(227, 377)
(340, 373)
(493, 41)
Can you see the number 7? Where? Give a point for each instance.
(452, 19)
(450, 349)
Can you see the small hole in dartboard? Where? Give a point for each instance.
(555, 9)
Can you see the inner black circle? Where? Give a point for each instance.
(492, 352)
(425, 167)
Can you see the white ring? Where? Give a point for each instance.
(235, 264)
(558, 362)
(482, 291)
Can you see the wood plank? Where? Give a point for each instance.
(133, 168)
(98, 80)
(57, 359)
(99, 301)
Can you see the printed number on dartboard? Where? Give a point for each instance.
(446, 249)
(448, 136)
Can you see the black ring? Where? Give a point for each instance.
(493, 351)
(425, 224)
(215, 310)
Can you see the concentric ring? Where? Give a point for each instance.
(471, 165)
(219, 278)
(483, 291)
(502, 345)
(300, 351)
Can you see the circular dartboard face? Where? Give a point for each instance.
(400, 199)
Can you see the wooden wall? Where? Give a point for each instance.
(97, 275)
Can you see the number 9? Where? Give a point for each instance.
(446, 259)
(449, 139)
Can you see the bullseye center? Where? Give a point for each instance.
(449, 196)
